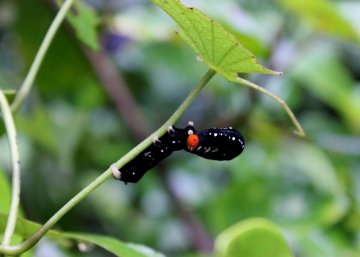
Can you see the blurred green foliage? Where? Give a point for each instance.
(243, 238)
(69, 130)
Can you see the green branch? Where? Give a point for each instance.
(15, 167)
(29, 79)
(32, 240)
(173, 118)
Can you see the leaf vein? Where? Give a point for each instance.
(200, 38)
(226, 53)
(229, 64)
(212, 40)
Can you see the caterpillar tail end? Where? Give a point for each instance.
(115, 171)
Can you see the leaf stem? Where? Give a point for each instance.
(300, 130)
(32, 240)
(15, 167)
(29, 79)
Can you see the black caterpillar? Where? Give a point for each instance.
(221, 144)
(214, 144)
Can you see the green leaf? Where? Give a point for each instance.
(84, 20)
(114, 246)
(4, 192)
(252, 238)
(218, 48)
(322, 15)
(26, 228)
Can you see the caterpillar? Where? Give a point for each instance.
(174, 140)
(214, 144)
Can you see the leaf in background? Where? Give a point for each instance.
(26, 228)
(322, 15)
(218, 48)
(4, 192)
(40, 128)
(63, 62)
(84, 20)
(329, 203)
(328, 80)
(113, 245)
(10, 94)
(252, 238)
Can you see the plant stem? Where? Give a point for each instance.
(174, 117)
(15, 166)
(32, 240)
(300, 130)
(29, 79)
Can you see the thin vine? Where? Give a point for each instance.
(299, 130)
(35, 66)
(15, 167)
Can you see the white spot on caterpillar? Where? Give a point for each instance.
(199, 148)
(190, 132)
(215, 134)
(215, 150)
(207, 149)
(233, 138)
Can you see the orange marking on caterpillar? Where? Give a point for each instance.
(192, 142)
